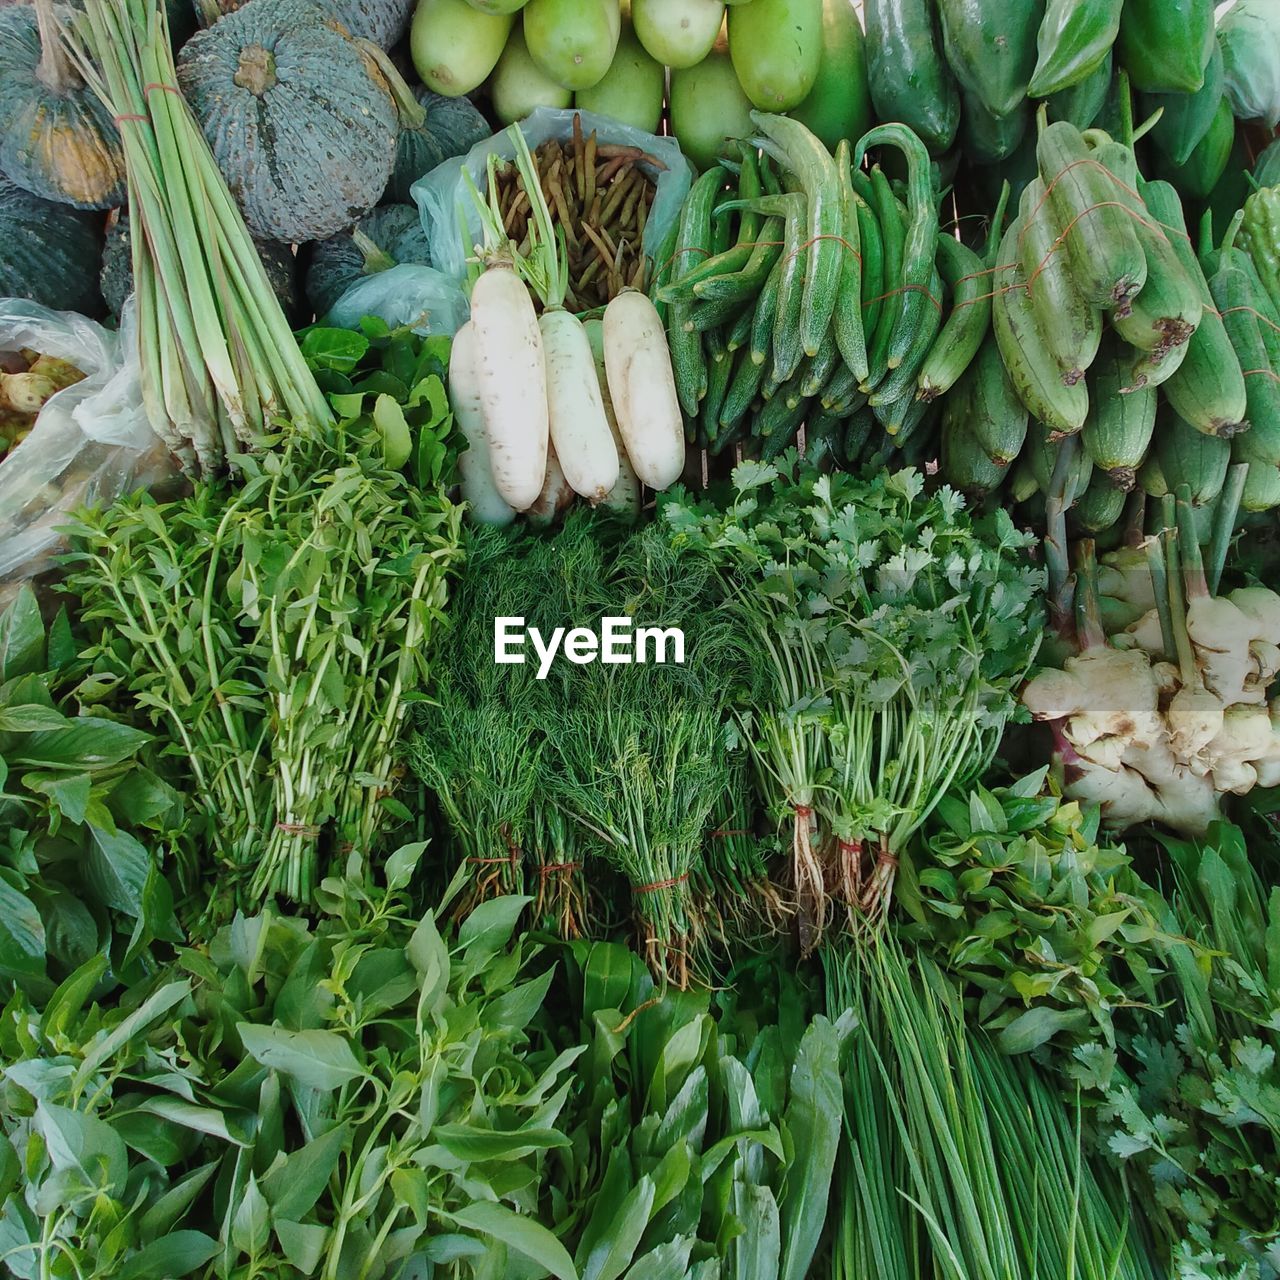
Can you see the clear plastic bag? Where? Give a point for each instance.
(90, 443)
(445, 205)
(421, 297)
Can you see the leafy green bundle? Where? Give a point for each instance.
(705, 1127)
(1193, 1097)
(82, 816)
(892, 629)
(274, 631)
(960, 1161)
(620, 766)
(294, 1101)
(1014, 893)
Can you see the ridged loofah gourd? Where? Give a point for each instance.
(56, 139)
(384, 238)
(49, 252)
(299, 115)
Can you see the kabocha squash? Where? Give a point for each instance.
(382, 21)
(56, 139)
(389, 235)
(116, 277)
(299, 115)
(49, 252)
(450, 127)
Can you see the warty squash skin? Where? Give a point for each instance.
(56, 139)
(389, 235)
(49, 252)
(451, 128)
(300, 119)
(382, 21)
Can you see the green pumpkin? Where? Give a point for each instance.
(451, 128)
(388, 236)
(49, 252)
(116, 277)
(298, 114)
(56, 139)
(382, 21)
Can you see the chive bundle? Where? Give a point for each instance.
(217, 355)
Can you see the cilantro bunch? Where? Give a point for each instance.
(893, 629)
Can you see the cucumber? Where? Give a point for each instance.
(998, 419)
(1234, 296)
(1117, 433)
(1070, 323)
(1107, 260)
(1099, 507)
(1207, 388)
(1165, 312)
(1262, 484)
(1034, 372)
(1187, 456)
(965, 464)
(968, 324)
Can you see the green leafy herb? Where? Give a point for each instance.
(273, 632)
(1015, 893)
(892, 629)
(83, 820)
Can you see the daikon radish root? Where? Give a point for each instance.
(555, 495)
(511, 375)
(485, 504)
(643, 388)
(626, 496)
(580, 431)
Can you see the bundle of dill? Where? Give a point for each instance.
(598, 778)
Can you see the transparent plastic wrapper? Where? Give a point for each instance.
(445, 204)
(90, 443)
(407, 294)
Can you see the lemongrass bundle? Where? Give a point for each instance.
(218, 359)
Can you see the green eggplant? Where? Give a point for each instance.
(1186, 117)
(1082, 102)
(1073, 39)
(992, 49)
(910, 80)
(1165, 45)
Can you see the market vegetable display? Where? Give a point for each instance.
(578, 711)
(300, 757)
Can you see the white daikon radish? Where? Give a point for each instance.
(625, 497)
(643, 388)
(512, 378)
(556, 494)
(485, 503)
(580, 431)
